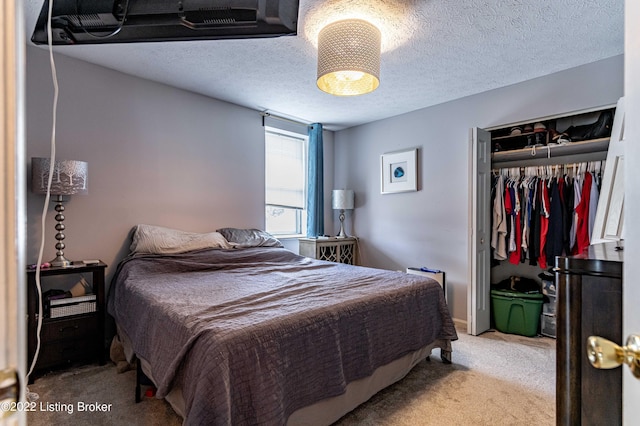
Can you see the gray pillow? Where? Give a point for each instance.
(241, 238)
(160, 240)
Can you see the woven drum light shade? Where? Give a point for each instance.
(349, 58)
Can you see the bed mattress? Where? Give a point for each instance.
(255, 335)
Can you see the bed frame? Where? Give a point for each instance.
(329, 410)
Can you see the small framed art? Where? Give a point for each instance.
(399, 171)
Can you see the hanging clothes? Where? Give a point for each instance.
(539, 214)
(516, 231)
(526, 220)
(594, 197)
(568, 213)
(544, 223)
(508, 209)
(582, 213)
(499, 227)
(534, 228)
(555, 239)
(577, 196)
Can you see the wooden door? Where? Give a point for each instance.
(12, 198)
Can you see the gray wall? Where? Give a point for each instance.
(156, 154)
(430, 227)
(168, 157)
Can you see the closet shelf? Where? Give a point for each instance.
(544, 152)
(509, 137)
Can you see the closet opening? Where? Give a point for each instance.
(536, 192)
(538, 213)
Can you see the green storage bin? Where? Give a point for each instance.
(516, 313)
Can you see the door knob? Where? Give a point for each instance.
(605, 354)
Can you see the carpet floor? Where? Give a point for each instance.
(495, 379)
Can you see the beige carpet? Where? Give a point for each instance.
(495, 379)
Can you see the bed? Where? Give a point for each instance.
(243, 333)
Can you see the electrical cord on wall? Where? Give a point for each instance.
(32, 396)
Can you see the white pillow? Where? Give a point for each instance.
(160, 240)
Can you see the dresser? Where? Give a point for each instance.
(332, 249)
(589, 303)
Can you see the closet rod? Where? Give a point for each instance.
(592, 166)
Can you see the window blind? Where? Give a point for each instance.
(284, 170)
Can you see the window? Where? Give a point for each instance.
(286, 182)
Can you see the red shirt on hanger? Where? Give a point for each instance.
(582, 212)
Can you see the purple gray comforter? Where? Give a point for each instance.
(252, 335)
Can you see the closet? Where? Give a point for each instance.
(559, 155)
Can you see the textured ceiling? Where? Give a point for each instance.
(433, 51)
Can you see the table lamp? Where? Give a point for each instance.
(69, 178)
(342, 200)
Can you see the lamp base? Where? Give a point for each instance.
(61, 262)
(342, 234)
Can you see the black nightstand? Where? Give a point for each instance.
(77, 332)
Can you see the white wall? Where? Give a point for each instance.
(156, 155)
(430, 227)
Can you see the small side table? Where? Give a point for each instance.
(67, 338)
(332, 249)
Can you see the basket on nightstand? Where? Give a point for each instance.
(69, 306)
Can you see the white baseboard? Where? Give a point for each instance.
(460, 324)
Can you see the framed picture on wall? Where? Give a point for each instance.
(399, 171)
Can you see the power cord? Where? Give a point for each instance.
(32, 396)
(114, 32)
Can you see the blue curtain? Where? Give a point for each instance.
(315, 188)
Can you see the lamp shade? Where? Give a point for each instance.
(69, 176)
(349, 58)
(343, 199)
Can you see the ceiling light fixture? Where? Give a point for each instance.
(349, 58)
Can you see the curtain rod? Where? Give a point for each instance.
(265, 114)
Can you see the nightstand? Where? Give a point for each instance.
(72, 330)
(332, 249)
